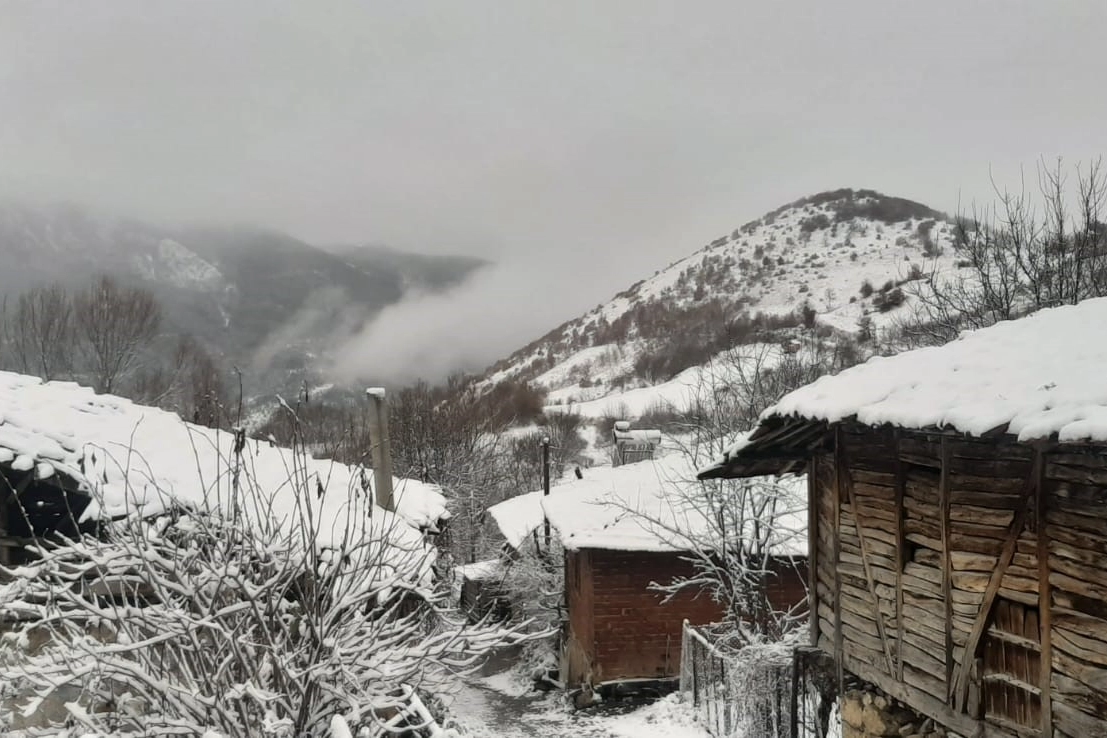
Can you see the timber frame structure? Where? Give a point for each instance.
(966, 576)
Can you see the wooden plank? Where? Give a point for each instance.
(1079, 695)
(981, 515)
(1075, 722)
(837, 552)
(947, 566)
(1045, 608)
(868, 570)
(865, 476)
(1014, 531)
(901, 552)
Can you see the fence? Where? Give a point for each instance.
(769, 691)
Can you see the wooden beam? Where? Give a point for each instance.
(813, 550)
(837, 553)
(947, 566)
(901, 554)
(981, 622)
(1045, 602)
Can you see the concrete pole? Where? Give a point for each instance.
(381, 451)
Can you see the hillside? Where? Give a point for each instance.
(748, 286)
(264, 301)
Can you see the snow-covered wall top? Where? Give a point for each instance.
(1039, 376)
(517, 517)
(136, 459)
(647, 506)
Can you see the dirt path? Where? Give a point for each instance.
(499, 706)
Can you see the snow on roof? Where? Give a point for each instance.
(518, 516)
(136, 459)
(646, 506)
(1041, 375)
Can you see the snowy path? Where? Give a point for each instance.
(498, 706)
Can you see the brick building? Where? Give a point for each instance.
(621, 530)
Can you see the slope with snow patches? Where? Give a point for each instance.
(818, 251)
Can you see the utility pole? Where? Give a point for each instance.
(381, 451)
(546, 483)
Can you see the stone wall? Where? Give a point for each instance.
(869, 713)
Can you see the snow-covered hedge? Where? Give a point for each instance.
(225, 619)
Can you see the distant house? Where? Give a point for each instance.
(958, 534)
(630, 445)
(621, 530)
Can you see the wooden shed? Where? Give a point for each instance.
(958, 522)
(617, 545)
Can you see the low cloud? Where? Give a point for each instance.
(428, 336)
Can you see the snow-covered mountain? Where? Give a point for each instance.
(264, 300)
(845, 255)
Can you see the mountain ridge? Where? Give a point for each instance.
(264, 300)
(843, 256)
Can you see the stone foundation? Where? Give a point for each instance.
(869, 713)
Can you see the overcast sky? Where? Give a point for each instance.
(581, 144)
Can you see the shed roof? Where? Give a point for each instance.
(1034, 378)
(645, 506)
(134, 459)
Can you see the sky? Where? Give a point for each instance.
(580, 145)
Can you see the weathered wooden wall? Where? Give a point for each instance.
(618, 628)
(937, 580)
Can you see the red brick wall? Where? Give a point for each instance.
(635, 635)
(789, 585)
(621, 624)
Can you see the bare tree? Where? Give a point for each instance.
(115, 325)
(1030, 250)
(187, 381)
(451, 436)
(739, 536)
(40, 331)
(733, 389)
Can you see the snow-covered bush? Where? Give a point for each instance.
(534, 583)
(223, 619)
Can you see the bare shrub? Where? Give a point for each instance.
(1028, 251)
(227, 618)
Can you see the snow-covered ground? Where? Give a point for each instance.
(503, 706)
(675, 395)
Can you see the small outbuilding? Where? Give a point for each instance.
(630, 445)
(623, 530)
(958, 522)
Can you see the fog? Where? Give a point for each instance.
(581, 145)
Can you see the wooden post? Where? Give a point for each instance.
(947, 565)
(1045, 605)
(546, 484)
(381, 450)
(812, 552)
(837, 557)
(901, 553)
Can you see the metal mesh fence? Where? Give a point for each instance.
(765, 691)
